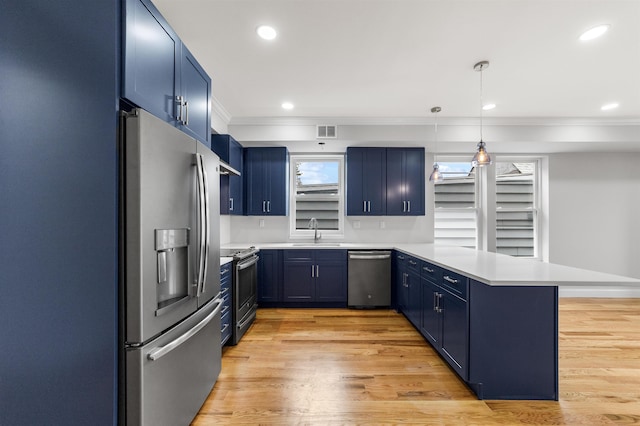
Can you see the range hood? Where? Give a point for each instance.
(226, 169)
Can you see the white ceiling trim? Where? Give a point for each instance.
(421, 121)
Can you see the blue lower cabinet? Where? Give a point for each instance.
(225, 292)
(445, 319)
(513, 339)
(315, 276)
(269, 277)
(501, 340)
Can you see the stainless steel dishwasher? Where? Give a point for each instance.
(369, 279)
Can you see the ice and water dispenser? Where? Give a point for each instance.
(172, 251)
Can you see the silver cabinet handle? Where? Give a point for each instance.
(264, 206)
(428, 270)
(411, 262)
(224, 328)
(409, 206)
(268, 206)
(313, 271)
(435, 301)
(158, 353)
(369, 206)
(400, 257)
(364, 206)
(317, 271)
(230, 204)
(186, 115)
(179, 105)
(451, 280)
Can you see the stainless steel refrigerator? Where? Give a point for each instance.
(170, 293)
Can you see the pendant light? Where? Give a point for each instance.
(482, 157)
(435, 175)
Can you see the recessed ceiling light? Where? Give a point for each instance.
(607, 107)
(487, 107)
(266, 32)
(287, 105)
(594, 32)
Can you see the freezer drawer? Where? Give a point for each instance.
(169, 378)
(369, 279)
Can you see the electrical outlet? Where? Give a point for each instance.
(261, 223)
(382, 224)
(356, 224)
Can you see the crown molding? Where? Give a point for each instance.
(219, 109)
(421, 121)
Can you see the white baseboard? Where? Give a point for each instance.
(613, 292)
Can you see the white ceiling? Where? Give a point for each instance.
(398, 58)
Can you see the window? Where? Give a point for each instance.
(317, 192)
(516, 208)
(455, 205)
(460, 218)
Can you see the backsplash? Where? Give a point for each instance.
(410, 229)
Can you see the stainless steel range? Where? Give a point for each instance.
(244, 287)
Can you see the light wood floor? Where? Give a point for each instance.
(333, 366)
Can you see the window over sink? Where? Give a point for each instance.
(317, 192)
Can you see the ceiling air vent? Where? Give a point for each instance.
(326, 132)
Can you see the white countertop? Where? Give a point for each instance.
(225, 260)
(489, 268)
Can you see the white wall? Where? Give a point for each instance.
(594, 213)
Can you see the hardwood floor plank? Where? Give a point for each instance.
(341, 366)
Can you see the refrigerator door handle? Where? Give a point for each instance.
(207, 223)
(201, 219)
(161, 351)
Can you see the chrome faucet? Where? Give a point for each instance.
(313, 224)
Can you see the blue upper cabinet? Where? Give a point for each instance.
(194, 105)
(231, 192)
(266, 172)
(160, 74)
(366, 181)
(405, 181)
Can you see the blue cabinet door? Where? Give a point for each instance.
(413, 297)
(331, 282)
(231, 186)
(298, 282)
(366, 181)
(236, 206)
(266, 183)
(152, 72)
(276, 191)
(405, 181)
(431, 318)
(269, 276)
(195, 112)
(402, 289)
(455, 332)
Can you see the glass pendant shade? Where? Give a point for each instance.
(435, 175)
(482, 157)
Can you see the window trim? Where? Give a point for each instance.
(307, 233)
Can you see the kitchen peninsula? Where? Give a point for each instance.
(493, 318)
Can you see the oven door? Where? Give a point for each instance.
(246, 287)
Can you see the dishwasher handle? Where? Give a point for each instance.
(368, 255)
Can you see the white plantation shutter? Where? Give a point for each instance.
(455, 218)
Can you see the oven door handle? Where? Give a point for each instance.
(247, 263)
(245, 321)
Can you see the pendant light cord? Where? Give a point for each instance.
(481, 104)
